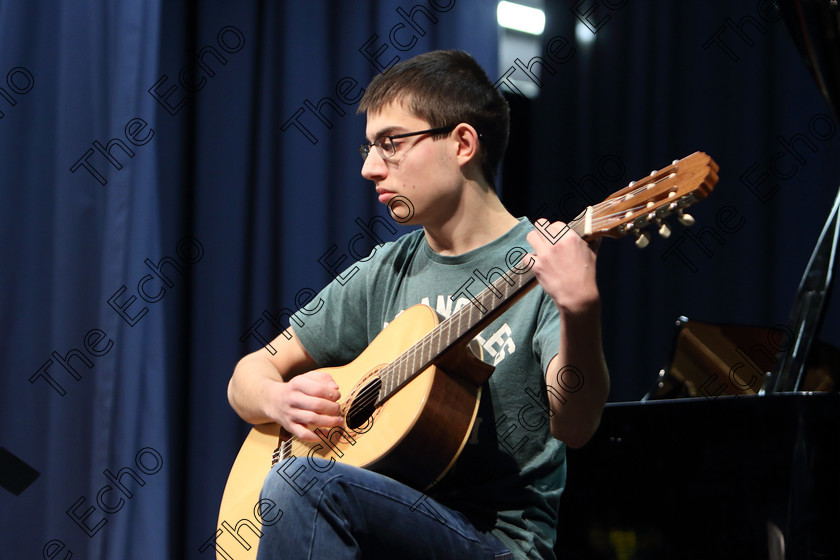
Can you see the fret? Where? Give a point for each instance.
(465, 322)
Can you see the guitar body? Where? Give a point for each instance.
(415, 436)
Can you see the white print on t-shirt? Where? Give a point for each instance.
(497, 347)
(496, 344)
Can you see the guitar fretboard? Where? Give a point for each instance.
(463, 324)
(631, 209)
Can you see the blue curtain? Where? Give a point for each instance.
(172, 174)
(84, 387)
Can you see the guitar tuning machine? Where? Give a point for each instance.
(685, 219)
(664, 230)
(642, 239)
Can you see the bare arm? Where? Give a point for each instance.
(576, 379)
(281, 388)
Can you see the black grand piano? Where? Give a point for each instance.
(735, 451)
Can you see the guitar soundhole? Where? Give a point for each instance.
(364, 404)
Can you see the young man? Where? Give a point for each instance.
(437, 130)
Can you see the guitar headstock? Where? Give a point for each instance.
(650, 200)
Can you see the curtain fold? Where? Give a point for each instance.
(82, 390)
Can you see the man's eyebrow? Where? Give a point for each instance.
(385, 132)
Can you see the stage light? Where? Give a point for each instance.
(520, 18)
(583, 35)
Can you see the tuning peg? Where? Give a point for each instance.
(642, 239)
(664, 229)
(685, 219)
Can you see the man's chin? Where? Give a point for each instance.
(402, 211)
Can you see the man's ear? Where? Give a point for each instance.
(468, 146)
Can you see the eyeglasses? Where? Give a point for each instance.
(386, 146)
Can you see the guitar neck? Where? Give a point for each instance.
(465, 323)
(491, 302)
(628, 211)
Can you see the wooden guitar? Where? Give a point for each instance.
(410, 399)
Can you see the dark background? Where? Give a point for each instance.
(264, 204)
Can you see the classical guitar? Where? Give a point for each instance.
(410, 399)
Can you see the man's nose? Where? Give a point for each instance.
(374, 166)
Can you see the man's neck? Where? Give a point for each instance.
(479, 220)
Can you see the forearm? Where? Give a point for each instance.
(250, 387)
(281, 387)
(577, 379)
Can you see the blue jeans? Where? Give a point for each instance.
(348, 512)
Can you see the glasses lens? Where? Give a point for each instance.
(386, 147)
(364, 150)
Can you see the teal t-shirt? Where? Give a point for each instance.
(511, 473)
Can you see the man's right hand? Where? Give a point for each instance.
(305, 402)
(282, 384)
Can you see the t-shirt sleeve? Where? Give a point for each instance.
(336, 333)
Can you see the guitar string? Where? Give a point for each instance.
(294, 446)
(635, 192)
(410, 357)
(393, 369)
(603, 218)
(386, 375)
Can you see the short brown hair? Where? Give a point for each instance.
(446, 88)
